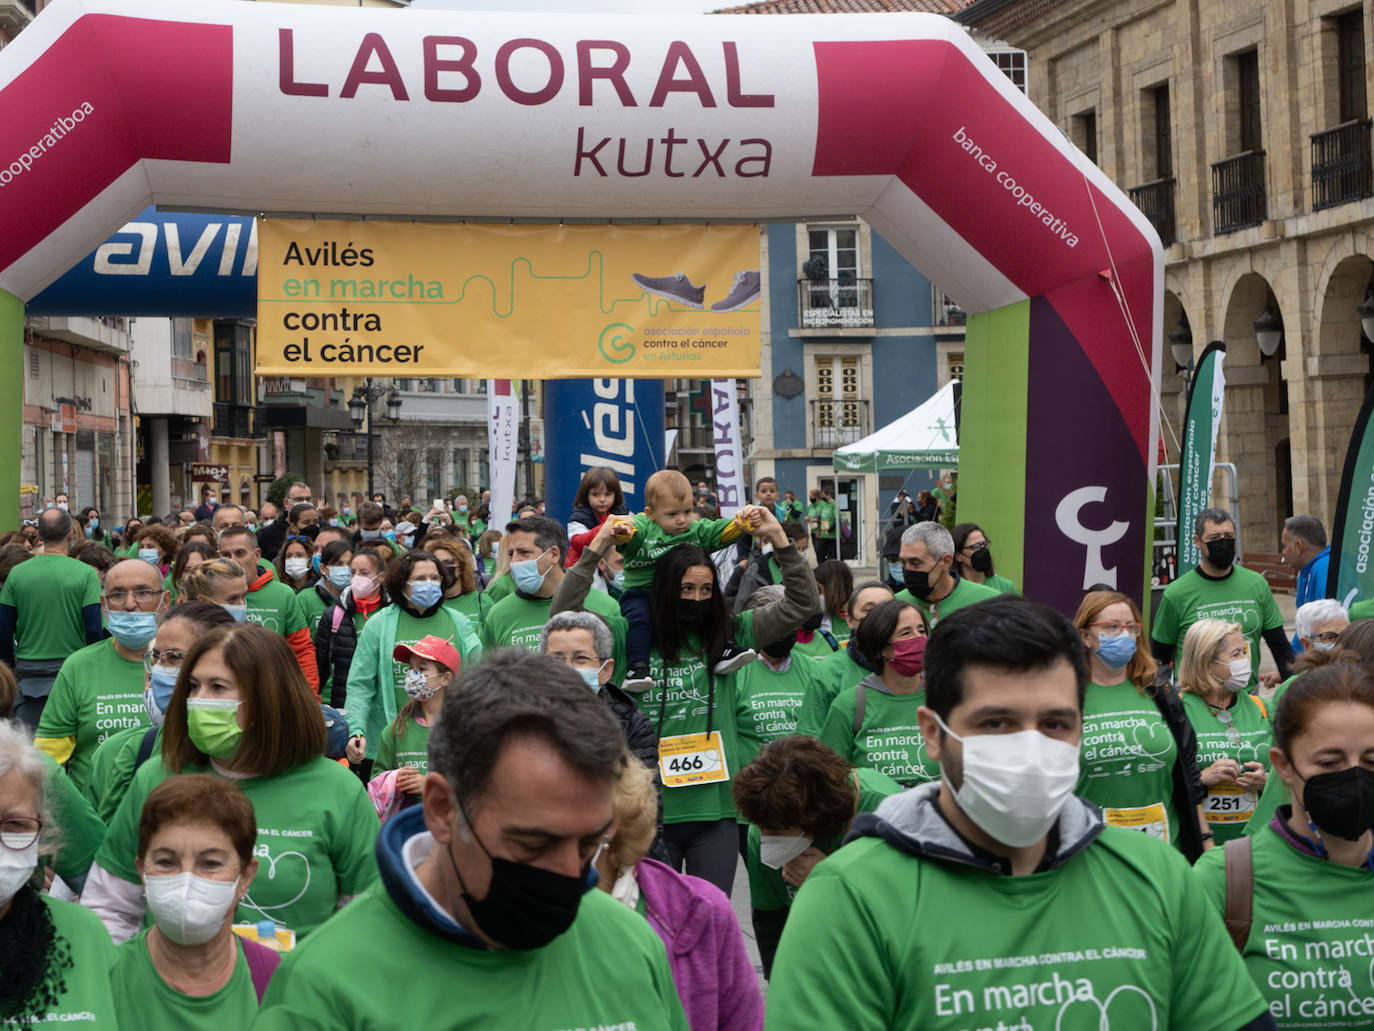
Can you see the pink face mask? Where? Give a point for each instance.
(908, 655)
(363, 586)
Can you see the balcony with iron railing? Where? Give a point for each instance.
(835, 303)
(241, 421)
(837, 422)
(1156, 202)
(1238, 196)
(1341, 170)
(945, 309)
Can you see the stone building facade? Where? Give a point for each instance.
(1241, 129)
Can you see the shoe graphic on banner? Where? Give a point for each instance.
(744, 291)
(676, 287)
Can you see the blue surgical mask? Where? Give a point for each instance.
(618, 581)
(132, 629)
(149, 555)
(162, 680)
(95, 524)
(425, 594)
(339, 576)
(590, 675)
(527, 576)
(390, 535)
(408, 540)
(315, 562)
(239, 612)
(1115, 652)
(1323, 646)
(370, 535)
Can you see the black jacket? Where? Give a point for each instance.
(334, 648)
(1188, 790)
(639, 731)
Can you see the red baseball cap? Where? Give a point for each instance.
(435, 649)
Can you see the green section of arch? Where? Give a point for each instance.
(992, 432)
(11, 406)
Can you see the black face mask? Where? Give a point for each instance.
(781, 648)
(1340, 803)
(694, 613)
(526, 907)
(981, 560)
(1221, 553)
(917, 581)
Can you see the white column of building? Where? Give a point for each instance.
(159, 461)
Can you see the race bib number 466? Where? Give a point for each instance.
(690, 759)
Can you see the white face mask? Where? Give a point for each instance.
(1015, 785)
(188, 909)
(16, 867)
(1239, 679)
(417, 685)
(1323, 646)
(777, 850)
(296, 567)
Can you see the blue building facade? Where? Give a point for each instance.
(854, 338)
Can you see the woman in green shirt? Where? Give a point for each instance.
(1311, 869)
(1139, 752)
(873, 724)
(974, 558)
(195, 859)
(1232, 727)
(463, 594)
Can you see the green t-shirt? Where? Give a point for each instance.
(470, 605)
(86, 1001)
(878, 938)
(374, 968)
(97, 692)
(1243, 596)
(144, 1000)
(833, 674)
(1275, 791)
(1246, 739)
(889, 738)
(48, 593)
(316, 830)
(1310, 934)
(274, 606)
(83, 832)
(816, 648)
(1001, 584)
(767, 702)
(312, 608)
(1128, 759)
(499, 588)
(651, 542)
(410, 748)
(825, 520)
(518, 621)
(682, 701)
(767, 889)
(411, 630)
(103, 761)
(965, 593)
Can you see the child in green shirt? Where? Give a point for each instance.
(646, 538)
(402, 756)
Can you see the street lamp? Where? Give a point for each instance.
(360, 411)
(1268, 332)
(1181, 343)
(1366, 312)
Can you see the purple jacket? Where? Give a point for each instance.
(714, 978)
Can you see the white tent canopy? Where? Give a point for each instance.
(922, 439)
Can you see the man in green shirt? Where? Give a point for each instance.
(932, 585)
(49, 607)
(99, 689)
(1220, 589)
(485, 914)
(271, 603)
(995, 897)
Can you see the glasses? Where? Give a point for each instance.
(19, 832)
(1329, 637)
(171, 657)
(1112, 629)
(142, 595)
(1224, 715)
(975, 545)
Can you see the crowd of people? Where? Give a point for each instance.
(364, 767)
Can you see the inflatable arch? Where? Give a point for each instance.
(264, 108)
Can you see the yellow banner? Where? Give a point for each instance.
(499, 301)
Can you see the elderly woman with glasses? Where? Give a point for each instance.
(55, 955)
(1232, 726)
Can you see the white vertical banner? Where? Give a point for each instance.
(730, 485)
(503, 449)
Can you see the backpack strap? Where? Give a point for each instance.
(860, 703)
(1240, 890)
(1260, 702)
(145, 747)
(262, 962)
